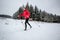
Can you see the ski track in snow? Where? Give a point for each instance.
(11, 29)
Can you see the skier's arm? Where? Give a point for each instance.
(20, 15)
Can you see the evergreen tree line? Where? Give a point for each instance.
(5, 16)
(37, 14)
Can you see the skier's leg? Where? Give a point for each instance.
(25, 25)
(29, 25)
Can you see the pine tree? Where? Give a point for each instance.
(27, 6)
(31, 11)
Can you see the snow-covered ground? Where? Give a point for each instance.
(11, 29)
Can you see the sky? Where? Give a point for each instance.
(11, 6)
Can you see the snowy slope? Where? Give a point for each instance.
(11, 29)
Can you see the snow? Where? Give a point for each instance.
(11, 29)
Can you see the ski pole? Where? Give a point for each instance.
(37, 24)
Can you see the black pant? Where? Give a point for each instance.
(26, 22)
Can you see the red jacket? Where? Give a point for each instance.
(25, 14)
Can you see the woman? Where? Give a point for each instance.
(26, 15)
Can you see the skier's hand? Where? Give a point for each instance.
(18, 16)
